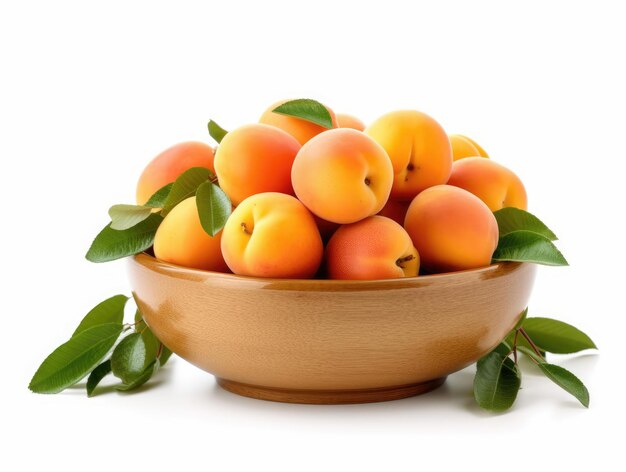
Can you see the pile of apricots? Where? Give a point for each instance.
(397, 198)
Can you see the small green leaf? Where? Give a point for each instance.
(97, 375)
(139, 322)
(214, 207)
(306, 109)
(525, 246)
(567, 381)
(129, 359)
(165, 354)
(520, 322)
(556, 336)
(111, 244)
(185, 186)
(146, 375)
(496, 383)
(504, 349)
(513, 219)
(73, 360)
(216, 131)
(110, 310)
(160, 196)
(127, 216)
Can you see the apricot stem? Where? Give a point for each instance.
(245, 228)
(404, 259)
(367, 181)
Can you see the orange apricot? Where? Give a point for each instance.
(463, 147)
(395, 210)
(493, 183)
(419, 149)
(373, 248)
(180, 239)
(348, 121)
(300, 129)
(254, 159)
(167, 166)
(272, 235)
(342, 176)
(451, 229)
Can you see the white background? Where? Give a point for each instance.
(90, 91)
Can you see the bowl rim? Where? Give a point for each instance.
(493, 270)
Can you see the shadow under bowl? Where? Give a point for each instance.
(330, 341)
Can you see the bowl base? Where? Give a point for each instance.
(330, 397)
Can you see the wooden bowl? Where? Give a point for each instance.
(330, 341)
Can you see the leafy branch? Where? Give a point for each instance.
(133, 227)
(103, 344)
(498, 377)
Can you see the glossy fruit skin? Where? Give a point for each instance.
(395, 210)
(342, 176)
(373, 248)
(349, 121)
(272, 235)
(254, 159)
(419, 150)
(463, 147)
(493, 183)
(451, 229)
(167, 166)
(300, 129)
(180, 239)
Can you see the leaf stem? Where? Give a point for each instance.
(160, 351)
(515, 345)
(532, 344)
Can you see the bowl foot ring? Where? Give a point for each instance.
(330, 397)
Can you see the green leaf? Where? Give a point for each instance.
(214, 207)
(216, 131)
(165, 354)
(567, 381)
(520, 322)
(110, 310)
(111, 244)
(158, 199)
(73, 360)
(97, 375)
(306, 109)
(185, 186)
(556, 336)
(146, 375)
(127, 216)
(513, 219)
(525, 246)
(139, 322)
(496, 383)
(529, 351)
(504, 349)
(129, 358)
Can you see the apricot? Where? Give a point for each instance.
(300, 129)
(419, 149)
(253, 159)
(342, 176)
(167, 166)
(348, 121)
(493, 183)
(463, 147)
(272, 235)
(373, 248)
(395, 210)
(180, 239)
(451, 229)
